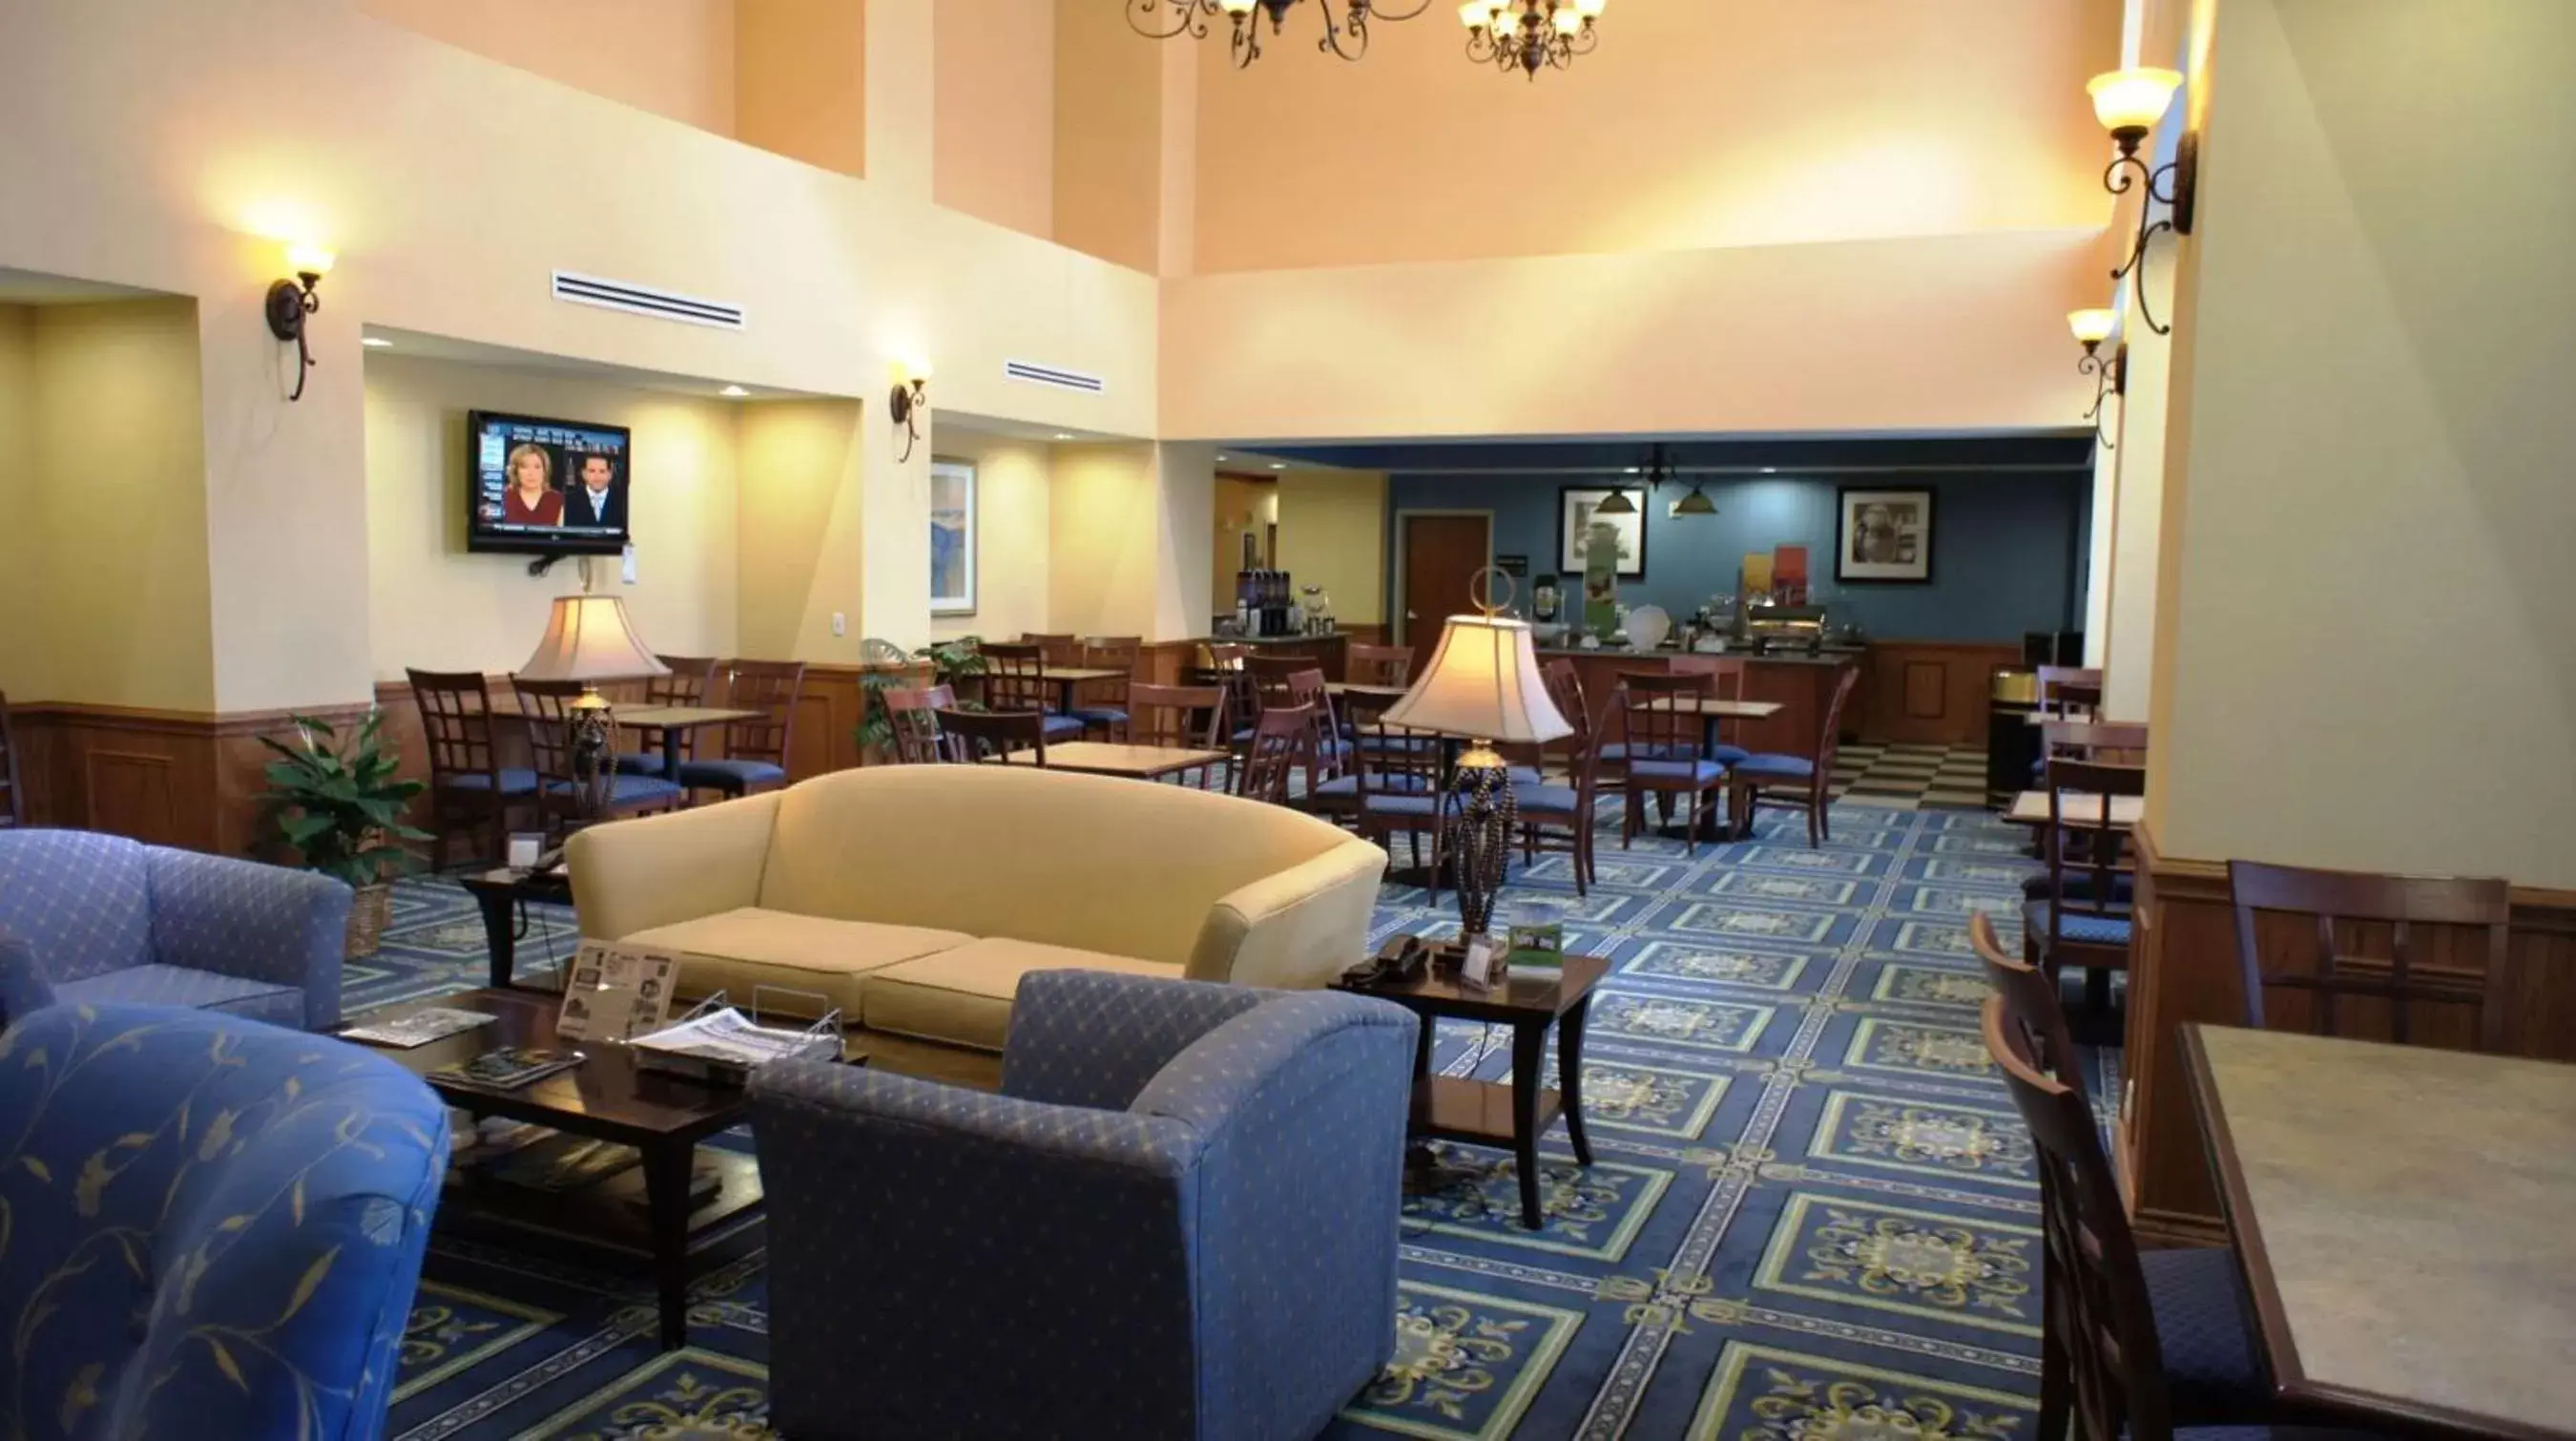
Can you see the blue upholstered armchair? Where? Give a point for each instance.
(1177, 1220)
(106, 919)
(215, 1226)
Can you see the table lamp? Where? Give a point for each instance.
(589, 639)
(1483, 684)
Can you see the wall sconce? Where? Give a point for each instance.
(290, 301)
(911, 397)
(2129, 103)
(2111, 376)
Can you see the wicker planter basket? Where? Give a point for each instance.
(367, 917)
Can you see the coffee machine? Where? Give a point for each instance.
(1265, 603)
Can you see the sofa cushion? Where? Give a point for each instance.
(963, 996)
(733, 951)
(160, 985)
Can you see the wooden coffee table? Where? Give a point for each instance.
(608, 1098)
(1488, 1113)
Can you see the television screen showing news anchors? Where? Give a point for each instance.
(545, 486)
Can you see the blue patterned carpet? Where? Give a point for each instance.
(1812, 1213)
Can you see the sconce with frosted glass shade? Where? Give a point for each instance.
(911, 397)
(290, 301)
(2129, 103)
(2110, 375)
(1483, 685)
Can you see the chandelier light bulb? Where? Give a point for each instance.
(1568, 20)
(1238, 8)
(1475, 14)
(1590, 9)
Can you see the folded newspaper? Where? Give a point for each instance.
(721, 1041)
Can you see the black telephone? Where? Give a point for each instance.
(1401, 961)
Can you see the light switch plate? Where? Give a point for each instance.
(840, 623)
(626, 565)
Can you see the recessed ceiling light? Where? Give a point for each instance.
(1632, 470)
(1221, 457)
(375, 342)
(1770, 470)
(733, 392)
(1275, 465)
(1064, 435)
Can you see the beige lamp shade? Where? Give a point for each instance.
(1483, 683)
(588, 638)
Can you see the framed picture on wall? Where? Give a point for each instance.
(1576, 511)
(1884, 535)
(952, 537)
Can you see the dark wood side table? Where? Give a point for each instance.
(1488, 1113)
(607, 1097)
(497, 894)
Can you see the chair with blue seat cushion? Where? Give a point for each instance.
(690, 681)
(469, 788)
(1665, 731)
(1177, 1220)
(1395, 781)
(756, 749)
(1103, 705)
(1547, 809)
(2133, 1344)
(2084, 919)
(1798, 782)
(215, 1226)
(561, 799)
(1015, 679)
(106, 919)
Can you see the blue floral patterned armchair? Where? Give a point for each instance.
(213, 1227)
(1177, 1220)
(107, 919)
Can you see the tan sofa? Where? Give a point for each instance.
(915, 897)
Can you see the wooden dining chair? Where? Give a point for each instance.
(1057, 650)
(1726, 676)
(1661, 755)
(2031, 1001)
(1365, 664)
(2069, 692)
(978, 736)
(1178, 717)
(1016, 680)
(1792, 782)
(547, 707)
(2133, 1344)
(469, 788)
(1394, 785)
(1103, 705)
(2085, 919)
(912, 714)
(2116, 743)
(1281, 739)
(2417, 969)
(690, 680)
(1547, 807)
(756, 749)
(13, 800)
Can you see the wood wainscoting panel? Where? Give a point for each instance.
(2183, 967)
(175, 778)
(1921, 692)
(131, 793)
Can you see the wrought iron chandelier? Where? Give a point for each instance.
(1526, 35)
(1347, 37)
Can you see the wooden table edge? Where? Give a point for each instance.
(2290, 1380)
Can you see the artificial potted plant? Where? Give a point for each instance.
(956, 664)
(340, 805)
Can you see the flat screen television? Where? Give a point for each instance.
(545, 487)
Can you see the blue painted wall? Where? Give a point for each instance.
(2005, 548)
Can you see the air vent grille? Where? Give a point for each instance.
(1061, 379)
(645, 300)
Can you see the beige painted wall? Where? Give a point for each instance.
(1108, 126)
(115, 500)
(800, 80)
(1332, 532)
(994, 104)
(25, 657)
(1708, 123)
(1130, 532)
(799, 530)
(2367, 504)
(1014, 510)
(436, 607)
(674, 58)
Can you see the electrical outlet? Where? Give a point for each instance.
(840, 623)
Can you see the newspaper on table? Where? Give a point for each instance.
(616, 992)
(721, 1043)
(419, 1028)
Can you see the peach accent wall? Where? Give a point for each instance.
(2366, 502)
(110, 502)
(1707, 123)
(1014, 506)
(994, 108)
(674, 58)
(800, 80)
(1108, 127)
(434, 606)
(1943, 333)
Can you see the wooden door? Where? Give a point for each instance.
(1442, 554)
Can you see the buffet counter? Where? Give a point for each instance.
(1801, 684)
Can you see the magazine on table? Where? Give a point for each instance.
(419, 1028)
(616, 992)
(506, 1068)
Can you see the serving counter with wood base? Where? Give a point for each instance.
(1801, 685)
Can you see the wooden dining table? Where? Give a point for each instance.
(1104, 758)
(2402, 1217)
(2082, 809)
(1073, 677)
(674, 721)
